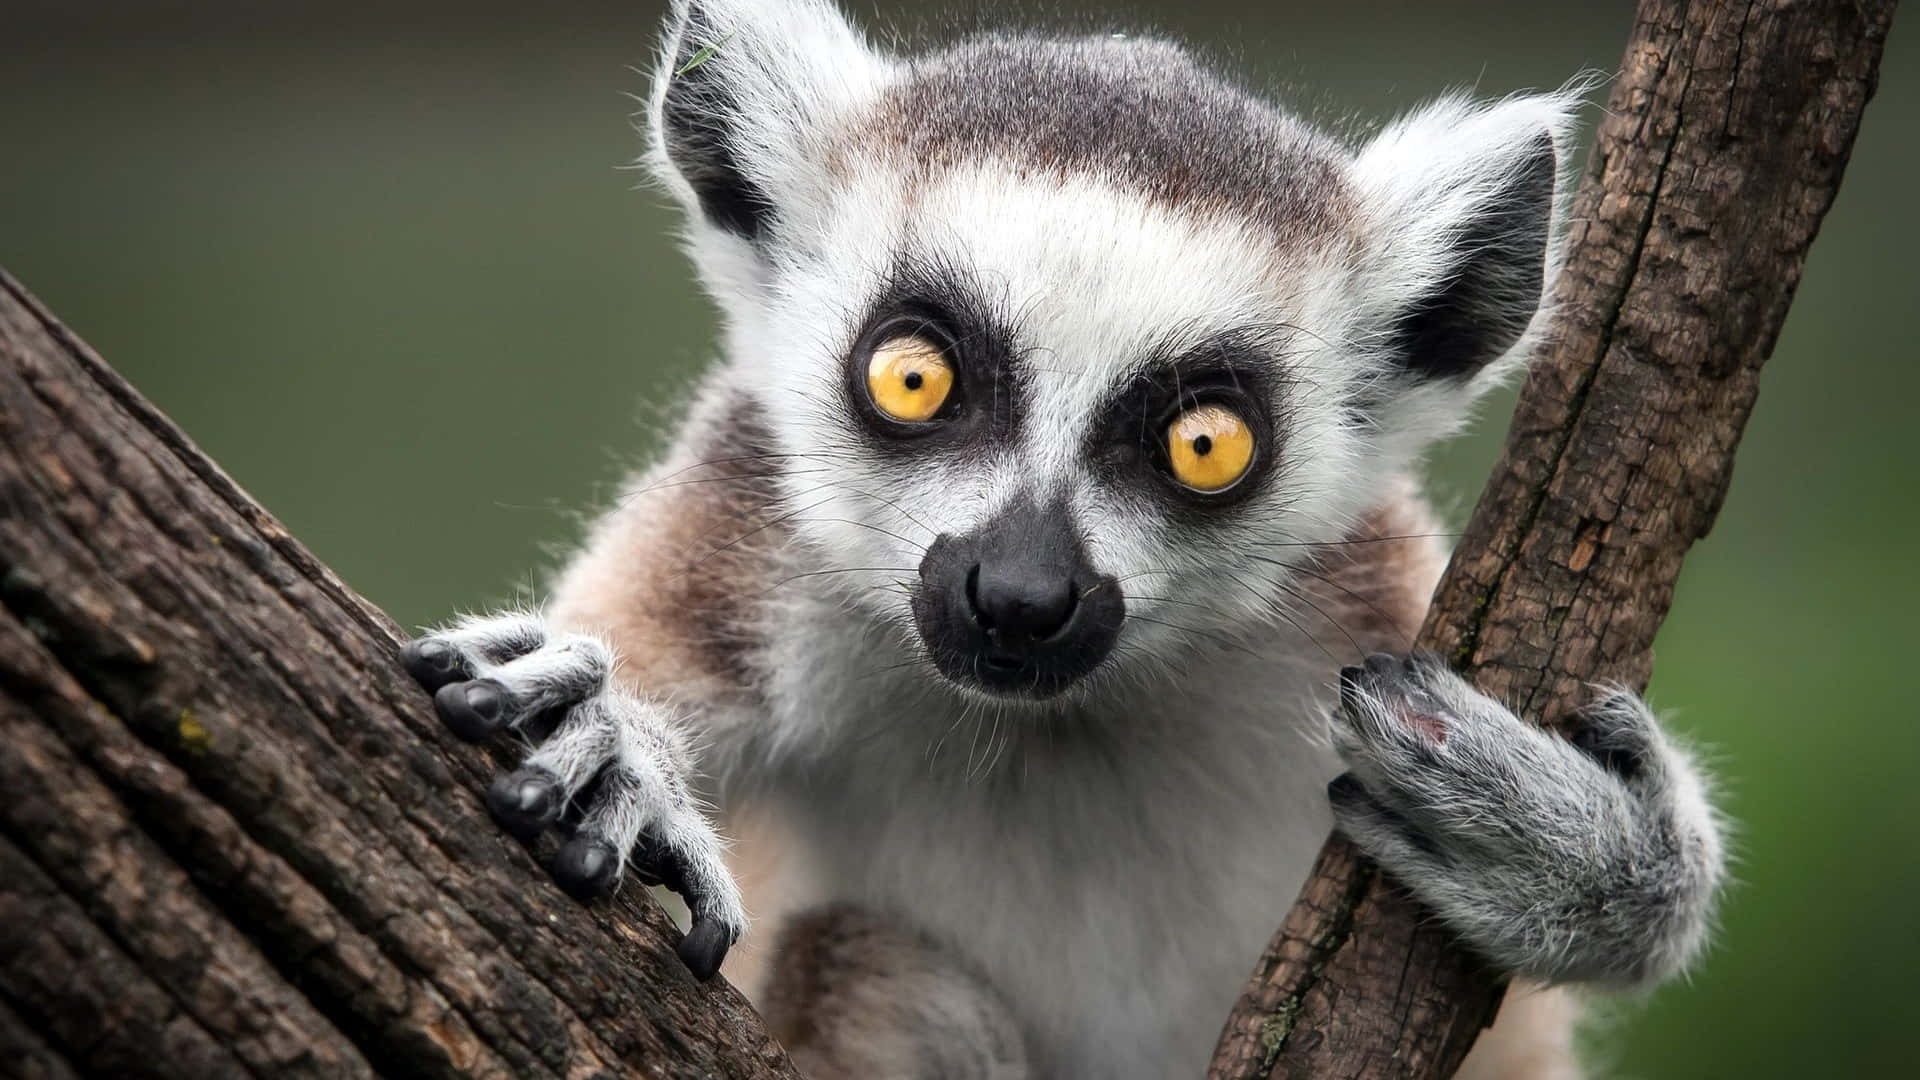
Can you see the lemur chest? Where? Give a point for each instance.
(1116, 893)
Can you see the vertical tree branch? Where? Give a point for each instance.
(1723, 146)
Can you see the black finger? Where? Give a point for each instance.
(586, 867)
(704, 947)
(433, 663)
(474, 710)
(525, 802)
(708, 940)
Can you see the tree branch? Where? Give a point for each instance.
(1723, 146)
(235, 841)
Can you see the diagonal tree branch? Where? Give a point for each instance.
(235, 842)
(1723, 146)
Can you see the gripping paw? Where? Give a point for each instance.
(611, 769)
(1592, 859)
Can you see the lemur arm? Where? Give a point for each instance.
(636, 660)
(672, 575)
(1592, 860)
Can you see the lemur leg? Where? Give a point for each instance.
(619, 763)
(852, 996)
(1589, 860)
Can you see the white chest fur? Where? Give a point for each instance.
(1114, 876)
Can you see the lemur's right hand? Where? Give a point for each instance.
(613, 769)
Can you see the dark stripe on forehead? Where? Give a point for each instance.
(1143, 114)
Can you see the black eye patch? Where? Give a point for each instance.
(1129, 442)
(942, 303)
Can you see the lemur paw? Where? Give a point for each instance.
(610, 768)
(1594, 859)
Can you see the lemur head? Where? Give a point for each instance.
(1075, 341)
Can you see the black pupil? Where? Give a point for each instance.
(1202, 445)
(914, 380)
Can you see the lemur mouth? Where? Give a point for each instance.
(1016, 608)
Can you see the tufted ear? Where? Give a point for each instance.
(1462, 206)
(743, 91)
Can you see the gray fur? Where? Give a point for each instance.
(1548, 861)
(1136, 110)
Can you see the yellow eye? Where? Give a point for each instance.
(909, 378)
(1210, 447)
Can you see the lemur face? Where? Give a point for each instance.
(1081, 406)
(1078, 351)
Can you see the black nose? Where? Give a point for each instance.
(1020, 600)
(1016, 607)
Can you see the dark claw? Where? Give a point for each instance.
(433, 664)
(1350, 687)
(653, 863)
(1346, 789)
(525, 802)
(704, 947)
(1623, 761)
(585, 867)
(473, 710)
(1383, 665)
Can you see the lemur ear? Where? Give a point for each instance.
(1463, 236)
(742, 90)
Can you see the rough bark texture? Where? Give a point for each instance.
(1722, 148)
(234, 840)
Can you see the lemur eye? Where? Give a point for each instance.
(909, 378)
(1209, 448)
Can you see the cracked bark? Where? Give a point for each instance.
(1722, 147)
(235, 841)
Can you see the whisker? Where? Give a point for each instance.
(1217, 636)
(839, 570)
(918, 547)
(1328, 579)
(735, 458)
(773, 475)
(1279, 610)
(1335, 623)
(1356, 541)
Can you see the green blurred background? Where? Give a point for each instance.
(383, 262)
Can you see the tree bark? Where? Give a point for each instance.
(1722, 147)
(234, 839)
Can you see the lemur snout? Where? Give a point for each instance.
(1017, 606)
(1019, 600)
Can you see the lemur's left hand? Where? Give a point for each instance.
(1594, 859)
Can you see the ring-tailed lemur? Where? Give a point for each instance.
(1000, 583)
